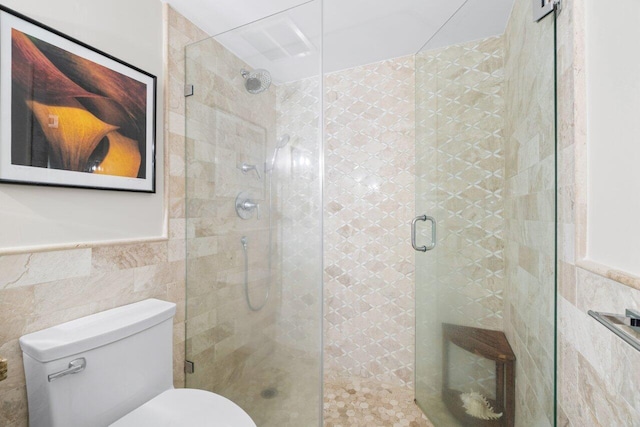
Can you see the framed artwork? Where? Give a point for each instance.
(71, 115)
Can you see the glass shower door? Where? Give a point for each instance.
(485, 171)
(254, 217)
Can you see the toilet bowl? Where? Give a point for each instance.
(115, 368)
(186, 407)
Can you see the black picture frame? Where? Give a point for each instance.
(72, 115)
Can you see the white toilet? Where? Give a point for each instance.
(115, 368)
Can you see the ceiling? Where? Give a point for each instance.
(356, 32)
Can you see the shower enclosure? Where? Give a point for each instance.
(484, 233)
(254, 216)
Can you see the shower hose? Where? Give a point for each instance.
(245, 243)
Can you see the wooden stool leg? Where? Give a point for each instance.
(499, 387)
(510, 409)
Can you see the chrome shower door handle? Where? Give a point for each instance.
(414, 233)
(75, 366)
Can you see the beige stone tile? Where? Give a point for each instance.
(176, 188)
(70, 293)
(42, 267)
(16, 305)
(607, 406)
(623, 382)
(39, 321)
(604, 294)
(176, 250)
(13, 407)
(592, 340)
(10, 350)
(123, 257)
(158, 276)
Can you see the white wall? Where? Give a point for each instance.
(30, 216)
(613, 104)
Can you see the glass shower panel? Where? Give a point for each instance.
(254, 216)
(485, 170)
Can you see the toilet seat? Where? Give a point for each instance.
(187, 408)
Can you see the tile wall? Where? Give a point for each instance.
(530, 210)
(369, 199)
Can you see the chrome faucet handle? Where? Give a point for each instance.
(245, 206)
(246, 167)
(250, 205)
(75, 366)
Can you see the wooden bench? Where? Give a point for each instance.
(492, 345)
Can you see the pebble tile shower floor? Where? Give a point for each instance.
(350, 402)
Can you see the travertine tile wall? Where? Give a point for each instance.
(598, 373)
(369, 191)
(530, 210)
(460, 180)
(42, 289)
(226, 127)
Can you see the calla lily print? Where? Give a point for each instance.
(78, 117)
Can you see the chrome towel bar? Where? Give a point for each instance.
(625, 326)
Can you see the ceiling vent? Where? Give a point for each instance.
(279, 40)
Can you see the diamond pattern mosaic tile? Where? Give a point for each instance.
(471, 182)
(369, 300)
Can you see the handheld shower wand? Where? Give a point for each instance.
(280, 143)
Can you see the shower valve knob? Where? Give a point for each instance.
(245, 206)
(245, 168)
(248, 205)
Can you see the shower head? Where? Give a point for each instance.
(283, 140)
(256, 81)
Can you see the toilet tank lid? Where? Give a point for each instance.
(96, 330)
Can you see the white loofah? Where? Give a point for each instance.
(478, 406)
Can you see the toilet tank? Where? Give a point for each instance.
(128, 353)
